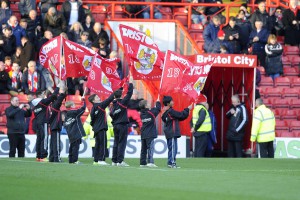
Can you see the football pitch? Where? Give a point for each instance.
(214, 178)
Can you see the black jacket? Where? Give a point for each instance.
(66, 11)
(171, 120)
(9, 46)
(27, 54)
(98, 114)
(291, 31)
(74, 125)
(148, 129)
(41, 82)
(46, 4)
(245, 30)
(4, 82)
(235, 43)
(57, 25)
(118, 112)
(237, 123)
(266, 19)
(55, 118)
(40, 109)
(94, 37)
(273, 58)
(16, 119)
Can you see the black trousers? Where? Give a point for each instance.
(120, 141)
(54, 146)
(16, 141)
(100, 146)
(74, 151)
(147, 149)
(42, 141)
(266, 149)
(235, 149)
(200, 145)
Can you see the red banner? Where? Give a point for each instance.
(146, 60)
(50, 56)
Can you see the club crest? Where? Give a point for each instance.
(105, 82)
(147, 57)
(86, 62)
(198, 86)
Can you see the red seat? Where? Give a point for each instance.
(200, 44)
(282, 82)
(5, 98)
(166, 12)
(289, 115)
(268, 103)
(278, 112)
(295, 60)
(286, 61)
(118, 12)
(75, 98)
(266, 81)
(99, 13)
(262, 90)
(282, 125)
(23, 98)
(262, 70)
(272, 92)
(181, 15)
(281, 103)
(295, 82)
(295, 103)
(290, 71)
(284, 134)
(291, 50)
(3, 129)
(3, 120)
(290, 93)
(295, 126)
(296, 134)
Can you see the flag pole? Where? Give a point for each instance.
(163, 72)
(61, 46)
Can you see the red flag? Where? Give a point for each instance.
(145, 59)
(77, 59)
(50, 56)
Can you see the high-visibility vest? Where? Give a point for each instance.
(263, 125)
(206, 125)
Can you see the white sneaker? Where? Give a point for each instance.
(102, 163)
(114, 164)
(143, 165)
(151, 165)
(123, 164)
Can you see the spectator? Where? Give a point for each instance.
(156, 12)
(72, 11)
(232, 35)
(263, 129)
(220, 45)
(45, 5)
(238, 119)
(16, 56)
(88, 23)
(212, 10)
(278, 23)
(7, 43)
(75, 85)
(27, 53)
(54, 22)
(262, 15)
(119, 69)
(84, 39)
(4, 79)
(290, 20)
(49, 82)
(97, 33)
(212, 137)
(32, 80)
(5, 12)
(258, 39)
(75, 31)
(17, 30)
(15, 87)
(244, 8)
(273, 60)
(47, 36)
(245, 30)
(198, 14)
(15, 116)
(23, 24)
(101, 48)
(34, 27)
(135, 122)
(25, 6)
(8, 65)
(210, 33)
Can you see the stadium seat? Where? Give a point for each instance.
(3, 120)
(119, 12)
(290, 93)
(181, 15)
(295, 125)
(99, 13)
(75, 98)
(166, 12)
(284, 134)
(282, 82)
(291, 50)
(286, 61)
(296, 134)
(278, 113)
(262, 90)
(281, 103)
(290, 71)
(196, 31)
(272, 92)
(23, 98)
(295, 82)
(5, 98)
(280, 39)
(289, 114)
(268, 103)
(262, 70)
(295, 60)
(3, 129)
(281, 125)
(295, 104)
(266, 81)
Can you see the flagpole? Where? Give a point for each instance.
(61, 46)
(84, 92)
(163, 71)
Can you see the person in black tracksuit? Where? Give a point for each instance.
(74, 127)
(118, 113)
(15, 116)
(238, 119)
(55, 127)
(171, 120)
(148, 132)
(41, 113)
(99, 124)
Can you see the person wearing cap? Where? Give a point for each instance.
(220, 45)
(171, 128)
(201, 126)
(238, 119)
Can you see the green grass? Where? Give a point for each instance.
(257, 179)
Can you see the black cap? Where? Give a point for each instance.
(167, 100)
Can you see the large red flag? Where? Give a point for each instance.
(145, 59)
(50, 56)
